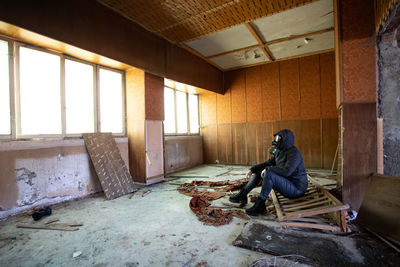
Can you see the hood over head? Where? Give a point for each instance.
(287, 139)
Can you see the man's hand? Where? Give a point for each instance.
(263, 172)
(248, 174)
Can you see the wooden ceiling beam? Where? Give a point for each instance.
(260, 42)
(184, 46)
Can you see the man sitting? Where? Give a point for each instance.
(283, 172)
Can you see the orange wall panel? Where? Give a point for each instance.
(253, 94)
(290, 98)
(224, 107)
(310, 93)
(270, 92)
(238, 92)
(328, 89)
(208, 110)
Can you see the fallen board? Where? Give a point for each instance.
(315, 248)
(382, 200)
(316, 201)
(110, 167)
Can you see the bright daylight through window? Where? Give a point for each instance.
(5, 127)
(181, 112)
(56, 95)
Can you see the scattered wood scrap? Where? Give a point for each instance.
(300, 212)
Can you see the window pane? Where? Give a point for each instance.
(111, 101)
(181, 110)
(194, 113)
(169, 110)
(79, 97)
(39, 92)
(4, 90)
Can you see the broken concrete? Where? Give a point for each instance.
(389, 96)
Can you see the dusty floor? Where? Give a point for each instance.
(156, 228)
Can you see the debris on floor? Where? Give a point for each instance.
(212, 216)
(51, 224)
(317, 248)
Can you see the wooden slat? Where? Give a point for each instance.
(301, 198)
(314, 211)
(306, 205)
(304, 202)
(277, 206)
(260, 42)
(313, 225)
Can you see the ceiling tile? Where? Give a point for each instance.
(308, 18)
(226, 40)
(299, 46)
(239, 59)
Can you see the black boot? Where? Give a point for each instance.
(258, 208)
(240, 197)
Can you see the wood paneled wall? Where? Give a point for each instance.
(297, 94)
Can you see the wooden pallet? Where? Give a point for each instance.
(302, 211)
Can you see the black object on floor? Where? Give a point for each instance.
(41, 213)
(316, 248)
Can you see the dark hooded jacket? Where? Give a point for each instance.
(286, 162)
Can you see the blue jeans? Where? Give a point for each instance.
(274, 181)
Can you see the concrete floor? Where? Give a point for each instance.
(154, 229)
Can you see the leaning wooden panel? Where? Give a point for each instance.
(316, 201)
(109, 165)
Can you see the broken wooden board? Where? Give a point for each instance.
(315, 248)
(57, 227)
(316, 201)
(111, 170)
(380, 209)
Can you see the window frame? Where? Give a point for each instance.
(188, 133)
(14, 87)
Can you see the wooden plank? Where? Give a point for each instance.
(326, 192)
(255, 143)
(299, 36)
(277, 206)
(260, 42)
(310, 143)
(301, 198)
(234, 51)
(209, 134)
(239, 143)
(208, 110)
(304, 202)
(314, 211)
(48, 227)
(224, 143)
(330, 133)
(328, 88)
(313, 225)
(286, 209)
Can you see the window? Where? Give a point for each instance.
(39, 93)
(57, 95)
(111, 96)
(5, 126)
(79, 97)
(181, 111)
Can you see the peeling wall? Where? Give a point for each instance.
(389, 96)
(40, 173)
(182, 152)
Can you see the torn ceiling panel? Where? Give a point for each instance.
(242, 58)
(303, 46)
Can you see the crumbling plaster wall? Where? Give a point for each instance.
(389, 97)
(39, 173)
